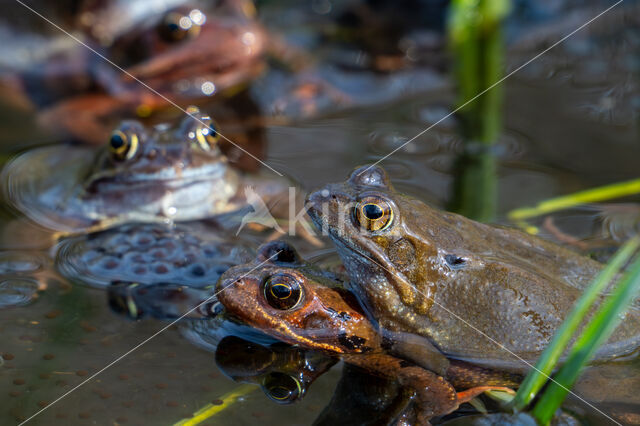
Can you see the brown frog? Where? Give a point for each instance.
(143, 175)
(478, 292)
(181, 55)
(288, 299)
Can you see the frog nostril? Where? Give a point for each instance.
(454, 261)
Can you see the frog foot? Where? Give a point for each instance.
(469, 394)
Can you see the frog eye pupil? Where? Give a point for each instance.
(116, 141)
(172, 27)
(282, 292)
(123, 146)
(282, 388)
(372, 211)
(177, 27)
(210, 134)
(210, 131)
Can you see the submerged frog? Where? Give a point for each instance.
(142, 175)
(284, 297)
(478, 292)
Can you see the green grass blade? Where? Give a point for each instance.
(593, 195)
(549, 358)
(595, 333)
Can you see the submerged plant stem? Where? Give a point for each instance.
(211, 410)
(476, 42)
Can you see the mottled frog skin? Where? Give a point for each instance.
(292, 301)
(477, 291)
(143, 175)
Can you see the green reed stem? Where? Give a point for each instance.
(537, 377)
(593, 195)
(475, 36)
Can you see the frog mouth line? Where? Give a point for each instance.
(380, 262)
(316, 218)
(406, 290)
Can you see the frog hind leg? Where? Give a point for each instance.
(417, 349)
(469, 394)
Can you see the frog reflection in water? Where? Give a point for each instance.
(468, 287)
(298, 304)
(141, 176)
(284, 372)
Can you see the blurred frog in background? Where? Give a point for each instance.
(131, 59)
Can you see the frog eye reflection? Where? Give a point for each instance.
(177, 27)
(123, 146)
(283, 291)
(282, 388)
(373, 213)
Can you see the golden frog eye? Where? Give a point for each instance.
(373, 213)
(201, 130)
(123, 145)
(282, 388)
(282, 291)
(207, 136)
(177, 27)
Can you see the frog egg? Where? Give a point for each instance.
(120, 250)
(140, 270)
(167, 244)
(160, 268)
(136, 258)
(143, 240)
(159, 253)
(197, 270)
(109, 263)
(115, 241)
